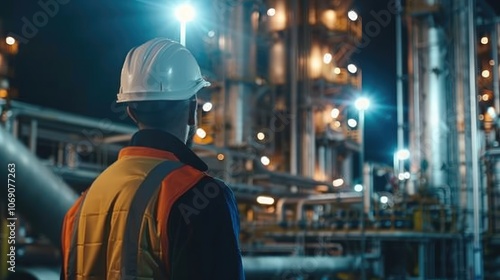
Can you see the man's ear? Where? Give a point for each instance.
(192, 112)
(131, 114)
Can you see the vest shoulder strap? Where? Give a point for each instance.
(136, 212)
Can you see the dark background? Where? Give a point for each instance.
(73, 62)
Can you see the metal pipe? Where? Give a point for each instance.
(300, 205)
(416, 152)
(286, 178)
(293, 87)
(322, 161)
(35, 272)
(23, 109)
(36, 188)
(301, 202)
(287, 266)
(460, 155)
(478, 261)
(366, 197)
(399, 75)
(33, 135)
(368, 190)
(324, 198)
(496, 87)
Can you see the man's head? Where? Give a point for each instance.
(159, 82)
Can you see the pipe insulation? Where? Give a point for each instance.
(40, 196)
(288, 266)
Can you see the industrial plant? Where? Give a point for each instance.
(283, 123)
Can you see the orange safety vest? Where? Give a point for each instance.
(97, 228)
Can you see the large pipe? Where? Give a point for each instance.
(289, 266)
(474, 147)
(41, 113)
(42, 197)
(35, 273)
(254, 267)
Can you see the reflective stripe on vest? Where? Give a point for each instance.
(130, 249)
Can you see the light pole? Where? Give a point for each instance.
(362, 104)
(184, 14)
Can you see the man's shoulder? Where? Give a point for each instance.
(212, 187)
(208, 197)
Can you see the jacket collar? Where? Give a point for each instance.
(166, 142)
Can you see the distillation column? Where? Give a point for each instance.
(429, 130)
(240, 70)
(443, 131)
(429, 83)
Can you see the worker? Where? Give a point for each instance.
(155, 213)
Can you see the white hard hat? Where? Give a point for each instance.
(160, 69)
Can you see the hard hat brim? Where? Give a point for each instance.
(160, 95)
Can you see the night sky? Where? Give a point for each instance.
(73, 62)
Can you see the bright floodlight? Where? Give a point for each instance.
(352, 68)
(265, 160)
(335, 113)
(485, 73)
(403, 154)
(484, 40)
(352, 123)
(271, 12)
(358, 188)
(406, 175)
(220, 156)
(207, 107)
(362, 103)
(261, 136)
(201, 133)
(265, 200)
(185, 13)
(336, 70)
(352, 15)
(327, 58)
(338, 182)
(384, 199)
(10, 40)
